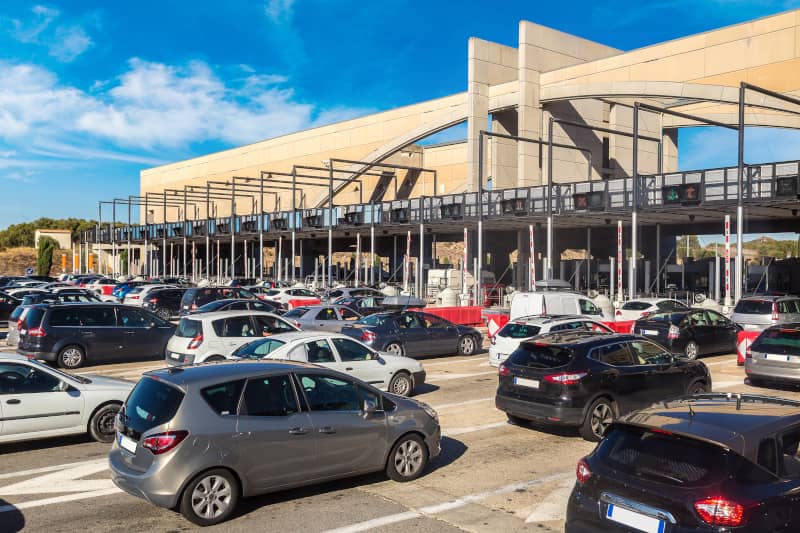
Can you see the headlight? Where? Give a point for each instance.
(430, 410)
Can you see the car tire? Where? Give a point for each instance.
(394, 348)
(401, 384)
(101, 425)
(408, 458)
(163, 313)
(691, 350)
(71, 357)
(598, 417)
(210, 498)
(756, 382)
(467, 345)
(696, 387)
(515, 420)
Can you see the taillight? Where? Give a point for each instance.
(775, 316)
(133, 297)
(164, 442)
(368, 336)
(673, 333)
(195, 342)
(296, 323)
(153, 301)
(582, 472)
(504, 370)
(566, 378)
(618, 313)
(37, 332)
(720, 512)
(748, 352)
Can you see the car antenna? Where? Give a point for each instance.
(738, 402)
(691, 411)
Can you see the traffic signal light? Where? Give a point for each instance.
(589, 201)
(683, 194)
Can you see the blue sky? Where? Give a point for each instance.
(92, 92)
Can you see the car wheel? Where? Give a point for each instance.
(210, 498)
(408, 458)
(756, 382)
(466, 345)
(698, 387)
(401, 384)
(599, 416)
(71, 357)
(163, 313)
(517, 421)
(691, 351)
(394, 348)
(101, 425)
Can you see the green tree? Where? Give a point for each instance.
(123, 261)
(44, 256)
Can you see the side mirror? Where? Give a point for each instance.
(369, 408)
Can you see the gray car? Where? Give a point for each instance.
(756, 313)
(198, 438)
(329, 318)
(775, 356)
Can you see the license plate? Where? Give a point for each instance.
(649, 332)
(635, 520)
(522, 382)
(127, 443)
(500, 356)
(173, 355)
(777, 357)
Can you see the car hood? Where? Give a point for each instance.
(400, 361)
(106, 383)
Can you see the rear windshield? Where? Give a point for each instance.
(374, 320)
(664, 458)
(16, 313)
(296, 312)
(672, 318)
(780, 341)
(519, 331)
(33, 318)
(272, 292)
(753, 307)
(188, 328)
(151, 404)
(540, 356)
(636, 306)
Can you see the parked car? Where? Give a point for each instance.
(774, 356)
(641, 307)
(414, 334)
(122, 289)
(512, 333)
(103, 286)
(21, 292)
(329, 318)
(554, 303)
(11, 280)
(709, 463)
(363, 305)
(759, 312)
(199, 296)
(235, 304)
(14, 321)
(283, 296)
(215, 336)
(692, 333)
(74, 334)
(250, 415)
(164, 302)
(39, 401)
(7, 304)
(137, 295)
(259, 291)
(350, 292)
(72, 295)
(398, 375)
(588, 380)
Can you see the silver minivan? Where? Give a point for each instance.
(198, 438)
(756, 313)
(775, 356)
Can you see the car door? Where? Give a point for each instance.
(726, 332)
(349, 441)
(98, 331)
(325, 319)
(413, 335)
(236, 330)
(139, 335)
(360, 361)
(442, 335)
(666, 377)
(34, 400)
(277, 439)
(701, 332)
(622, 375)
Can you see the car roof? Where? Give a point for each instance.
(225, 314)
(734, 421)
(651, 300)
(321, 306)
(212, 373)
(548, 319)
(768, 298)
(291, 336)
(580, 338)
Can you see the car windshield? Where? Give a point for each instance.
(373, 320)
(151, 404)
(781, 341)
(297, 312)
(534, 355)
(189, 329)
(212, 306)
(636, 306)
(753, 307)
(519, 330)
(258, 349)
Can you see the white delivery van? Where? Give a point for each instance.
(555, 303)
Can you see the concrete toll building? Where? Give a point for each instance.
(563, 135)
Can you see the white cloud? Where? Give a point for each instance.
(64, 42)
(279, 11)
(69, 43)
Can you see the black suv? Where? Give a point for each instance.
(165, 303)
(587, 380)
(200, 296)
(72, 334)
(714, 462)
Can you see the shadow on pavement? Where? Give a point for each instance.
(11, 518)
(425, 388)
(44, 444)
(551, 429)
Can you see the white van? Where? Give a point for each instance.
(555, 303)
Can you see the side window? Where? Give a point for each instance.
(270, 325)
(268, 346)
(22, 379)
(223, 398)
(786, 307)
(433, 322)
(269, 396)
(367, 302)
(65, 317)
(408, 321)
(588, 308)
(319, 352)
(258, 305)
(330, 394)
(613, 354)
(238, 326)
(648, 353)
(351, 350)
(326, 314)
(298, 353)
(568, 326)
(698, 318)
(596, 328)
(789, 462)
(237, 306)
(347, 314)
(131, 318)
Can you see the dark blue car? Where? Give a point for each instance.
(122, 289)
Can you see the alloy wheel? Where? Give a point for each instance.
(400, 385)
(408, 458)
(691, 350)
(394, 349)
(71, 357)
(467, 345)
(211, 497)
(602, 416)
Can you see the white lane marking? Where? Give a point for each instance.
(725, 362)
(726, 384)
(459, 404)
(472, 429)
(58, 499)
(64, 480)
(448, 376)
(453, 361)
(554, 505)
(446, 506)
(44, 469)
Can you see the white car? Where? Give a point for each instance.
(636, 309)
(396, 374)
(215, 336)
(522, 329)
(282, 296)
(38, 401)
(137, 295)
